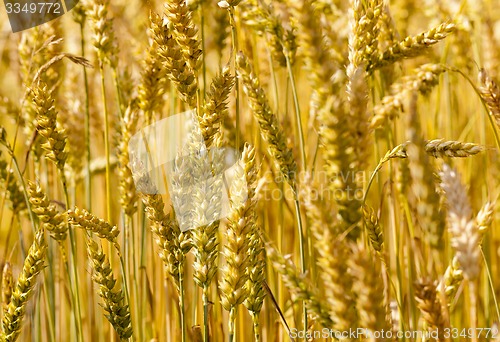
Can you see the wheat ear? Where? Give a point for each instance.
(13, 189)
(7, 286)
(52, 221)
(47, 126)
(241, 222)
(300, 287)
(113, 300)
(430, 306)
(83, 219)
(368, 289)
(33, 265)
(268, 122)
(412, 46)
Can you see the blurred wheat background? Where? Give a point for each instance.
(369, 171)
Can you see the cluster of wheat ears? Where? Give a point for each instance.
(365, 194)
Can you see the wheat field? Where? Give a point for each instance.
(338, 177)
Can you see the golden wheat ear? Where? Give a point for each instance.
(24, 289)
(113, 300)
(300, 286)
(269, 125)
(52, 221)
(430, 306)
(7, 285)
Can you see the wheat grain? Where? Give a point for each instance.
(215, 109)
(103, 36)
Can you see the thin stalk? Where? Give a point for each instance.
(234, 39)
(142, 273)
(490, 281)
(232, 319)
(297, 111)
(124, 274)
(106, 143)
(256, 326)
(128, 225)
(119, 100)
(182, 307)
(206, 337)
(473, 308)
(23, 184)
(49, 314)
(302, 251)
(76, 290)
(302, 150)
(88, 179)
(203, 59)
